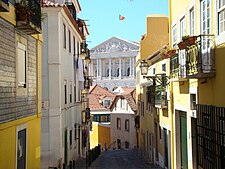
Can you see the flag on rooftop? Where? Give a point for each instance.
(121, 17)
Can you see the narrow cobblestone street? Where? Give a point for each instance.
(121, 159)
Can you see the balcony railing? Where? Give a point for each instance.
(4, 5)
(201, 58)
(160, 97)
(177, 71)
(28, 16)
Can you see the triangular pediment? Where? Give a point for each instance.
(115, 44)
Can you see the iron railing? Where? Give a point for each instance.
(211, 136)
(201, 57)
(177, 70)
(35, 7)
(29, 11)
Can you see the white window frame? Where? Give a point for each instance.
(221, 9)
(174, 35)
(21, 69)
(207, 29)
(21, 44)
(182, 27)
(192, 21)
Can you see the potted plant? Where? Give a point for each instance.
(23, 11)
(191, 40)
(168, 52)
(182, 45)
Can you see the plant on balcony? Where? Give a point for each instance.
(23, 11)
(168, 52)
(182, 45)
(185, 37)
(191, 40)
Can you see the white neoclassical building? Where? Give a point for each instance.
(113, 63)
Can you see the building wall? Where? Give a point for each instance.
(104, 136)
(122, 134)
(100, 135)
(8, 136)
(114, 54)
(150, 144)
(156, 36)
(59, 70)
(19, 107)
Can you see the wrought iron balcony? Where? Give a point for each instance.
(177, 70)
(200, 61)
(28, 16)
(4, 5)
(161, 97)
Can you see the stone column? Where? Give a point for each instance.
(100, 68)
(110, 68)
(120, 66)
(97, 67)
(131, 67)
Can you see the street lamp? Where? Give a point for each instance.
(144, 67)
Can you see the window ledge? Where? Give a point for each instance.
(220, 39)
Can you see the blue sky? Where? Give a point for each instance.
(103, 18)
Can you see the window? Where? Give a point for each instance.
(221, 15)
(75, 131)
(107, 73)
(174, 31)
(107, 118)
(74, 46)
(65, 93)
(106, 102)
(118, 72)
(192, 21)
(182, 27)
(70, 137)
(21, 148)
(205, 21)
(21, 65)
(205, 16)
(142, 108)
(64, 36)
(71, 93)
(193, 101)
(75, 93)
(128, 71)
(153, 71)
(164, 67)
(118, 124)
(69, 39)
(127, 125)
(160, 133)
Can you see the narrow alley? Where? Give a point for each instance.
(121, 159)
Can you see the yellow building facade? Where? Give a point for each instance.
(149, 134)
(20, 95)
(196, 83)
(100, 135)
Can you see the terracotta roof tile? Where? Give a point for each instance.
(130, 95)
(96, 95)
(52, 4)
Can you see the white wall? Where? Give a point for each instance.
(57, 68)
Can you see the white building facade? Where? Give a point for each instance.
(62, 140)
(113, 63)
(123, 133)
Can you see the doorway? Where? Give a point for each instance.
(183, 140)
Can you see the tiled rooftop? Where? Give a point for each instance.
(96, 95)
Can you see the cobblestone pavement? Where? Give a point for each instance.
(121, 159)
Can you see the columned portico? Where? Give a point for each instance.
(114, 63)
